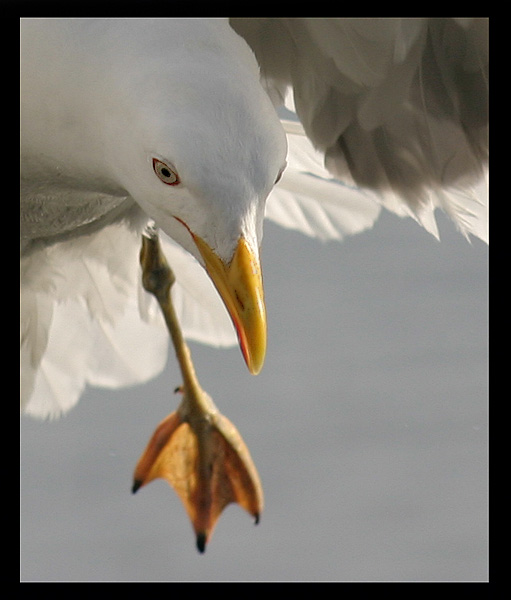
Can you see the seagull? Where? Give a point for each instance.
(200, 129)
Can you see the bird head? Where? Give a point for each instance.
(207, 155)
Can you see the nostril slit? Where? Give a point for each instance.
(240, 301)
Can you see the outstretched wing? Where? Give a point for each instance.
(85, 319)
(397, 106)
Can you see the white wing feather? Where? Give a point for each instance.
(308, 199)
(85, 319)
(397, 106)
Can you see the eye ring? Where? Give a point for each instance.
(165, 173)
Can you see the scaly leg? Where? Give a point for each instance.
(196, 449)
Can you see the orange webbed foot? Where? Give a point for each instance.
(204, 458)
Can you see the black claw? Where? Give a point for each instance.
(136, 485)
(201, 542)
(256, 516)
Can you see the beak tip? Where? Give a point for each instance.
(255, 368)
(253, 346)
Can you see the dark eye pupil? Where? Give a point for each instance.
(165, 172)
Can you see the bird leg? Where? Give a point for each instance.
(196, 449)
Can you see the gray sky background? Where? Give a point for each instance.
(368, 425)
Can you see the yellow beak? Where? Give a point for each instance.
(240, 286)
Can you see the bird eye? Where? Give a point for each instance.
(165, 173)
